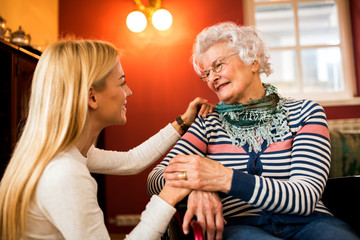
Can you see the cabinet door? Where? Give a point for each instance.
(16, 72)
(5, 108)
(21, 88)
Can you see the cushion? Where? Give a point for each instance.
(345, 154)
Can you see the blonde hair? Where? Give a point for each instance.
(57, 114)
(246, 40)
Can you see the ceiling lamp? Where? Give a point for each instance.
(136, 21)
(160, 18)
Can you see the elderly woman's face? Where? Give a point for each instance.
(235, 83)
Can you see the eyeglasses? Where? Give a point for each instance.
(216, 67)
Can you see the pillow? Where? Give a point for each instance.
(345, 154)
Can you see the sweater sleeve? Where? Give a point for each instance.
(135, 160)
(154, 220)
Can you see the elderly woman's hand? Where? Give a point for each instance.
(200, 173)
(207, 208)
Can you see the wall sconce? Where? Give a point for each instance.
(160, 18)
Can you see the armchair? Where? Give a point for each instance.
(342, 192)
(342, 197)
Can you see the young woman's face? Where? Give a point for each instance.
(235, 83)
(112, 99)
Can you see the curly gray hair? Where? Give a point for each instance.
(246, 40)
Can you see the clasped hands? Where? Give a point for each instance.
(206, 177)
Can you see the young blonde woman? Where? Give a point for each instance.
(47, 191)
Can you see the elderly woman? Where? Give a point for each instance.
(266, 157)
(47, 191)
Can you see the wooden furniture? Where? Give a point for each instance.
(17, 66)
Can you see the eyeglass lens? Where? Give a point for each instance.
(216, 67)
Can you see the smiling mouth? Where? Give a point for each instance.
(221, 86)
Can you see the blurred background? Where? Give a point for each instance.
(159, 72)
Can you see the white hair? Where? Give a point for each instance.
(246, 40)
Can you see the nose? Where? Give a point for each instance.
(213, 77)
(128, 91)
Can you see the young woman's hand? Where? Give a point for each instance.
(198, 106)
(173, 195)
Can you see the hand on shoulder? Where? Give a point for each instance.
(198, 106)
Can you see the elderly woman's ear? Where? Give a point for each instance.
(255, 66)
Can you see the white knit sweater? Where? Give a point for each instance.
(65, 202)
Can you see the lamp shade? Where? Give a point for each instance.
(136, 21)
(162, 19)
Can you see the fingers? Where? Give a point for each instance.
(207, 208)
(201, 220)
(183, 163)
(197, 101)
(198, 106)
(188, 165)
(173, 176)
(181, 159)
(205, 109)
(219, 222)
(195, 206)
(187, 219)
(174, 179)
(210, 225)
(214, 217)
(202, 173)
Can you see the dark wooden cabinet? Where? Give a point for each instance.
(17, 66)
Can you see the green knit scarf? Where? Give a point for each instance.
(254, 122)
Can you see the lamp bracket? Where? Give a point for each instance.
(149, 10)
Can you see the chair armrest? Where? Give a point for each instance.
(342, 197)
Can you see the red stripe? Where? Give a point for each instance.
(224, 148)
(195, 141)
(278, 146)
(318, 129)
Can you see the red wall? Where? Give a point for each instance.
(355, 25)
(158, 70)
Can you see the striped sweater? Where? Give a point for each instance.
(286, 179)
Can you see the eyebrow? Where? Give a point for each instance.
(218, 60)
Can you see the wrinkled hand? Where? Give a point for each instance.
(198, 106)
(173, 195)
(207, 208)
(202, 174)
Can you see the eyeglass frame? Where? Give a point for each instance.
(216, 69)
